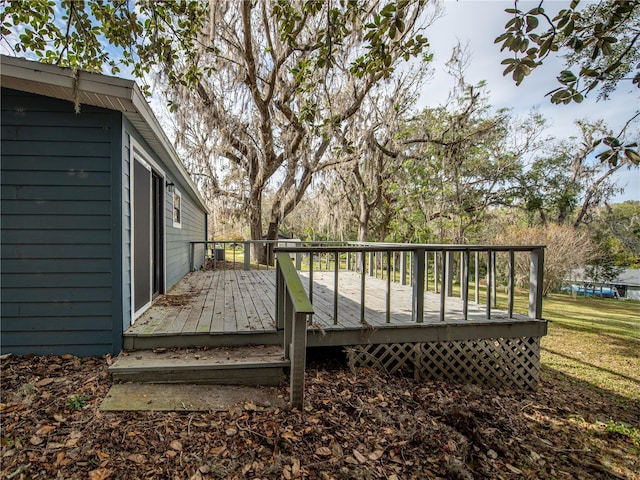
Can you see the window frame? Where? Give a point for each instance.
(176, 224)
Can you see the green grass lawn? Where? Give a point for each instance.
(591, 340)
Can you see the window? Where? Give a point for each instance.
(177, 209)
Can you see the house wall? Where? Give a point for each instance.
(61, 237)
(177, 252)
(633, 293)
(178, 239)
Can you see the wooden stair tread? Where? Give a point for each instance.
(255, 356)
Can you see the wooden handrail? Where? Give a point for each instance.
(292, 308)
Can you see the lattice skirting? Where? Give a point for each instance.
(503, 362)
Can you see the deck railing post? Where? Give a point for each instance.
(298, 261)
(288, 324)
(511, 281)
(494, 280)
(489, 280)
(298, 353)
(418, 285)
(443, 286)
(462, 259)
(362, 287)
(436, 270)
(464, 287)
(426, 271)
(191, 258)
(348, 260)
(280, 294)
(247, 256)
(335, 288)
(388, 303)
(371, 263)
(449, 269)
(535, 283)
(476, 277)
(403, 268)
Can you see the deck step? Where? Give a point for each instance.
(249, 365)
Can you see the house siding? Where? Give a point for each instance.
(178, 239)
(61, 213)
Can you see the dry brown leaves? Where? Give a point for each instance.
(355, 425)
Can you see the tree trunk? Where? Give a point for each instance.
(272, 234)
(255, 225)
(363, 218)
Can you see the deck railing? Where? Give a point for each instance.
(292, 308)
(426, 267)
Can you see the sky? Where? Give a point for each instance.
(477, 23)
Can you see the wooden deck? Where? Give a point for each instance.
(236, 307)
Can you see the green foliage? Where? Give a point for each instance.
(617, 229)
(601, 40)
(76, 402)
(623, 430)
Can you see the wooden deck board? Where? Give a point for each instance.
(243, 302)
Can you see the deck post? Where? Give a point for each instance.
(476, 277)
(418, 285)
(298, 353)
(494, 280)
(464, 288)
(280, 293)
(298, 261)
(363, 275)
(371, 260)
(247, 256)
(535, 283)
(335, 288)
(511, 281)
(489, 279)
(462, 260)
(348, 260)
(436, 285)
(426, 271)
(443, 286)
(403, 268)
(191, 258)
(449, 270)
(388, 303)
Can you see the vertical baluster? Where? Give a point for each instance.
(477, 277)
(388, 286)
(535, 283)
(494, 280)
(511, 281)
(418, 285)
(362, 285)
(311, 276)
(488, 312)
(443, 287)
(464, 287)
(335, 289)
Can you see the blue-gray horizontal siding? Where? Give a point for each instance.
(178, 239)
(58, 225)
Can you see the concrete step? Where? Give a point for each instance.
(248, 365)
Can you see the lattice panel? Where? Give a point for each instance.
(504, 362)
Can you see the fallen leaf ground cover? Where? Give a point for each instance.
(582, 422)
(360, 424)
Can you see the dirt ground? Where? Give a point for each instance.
(356, 425)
